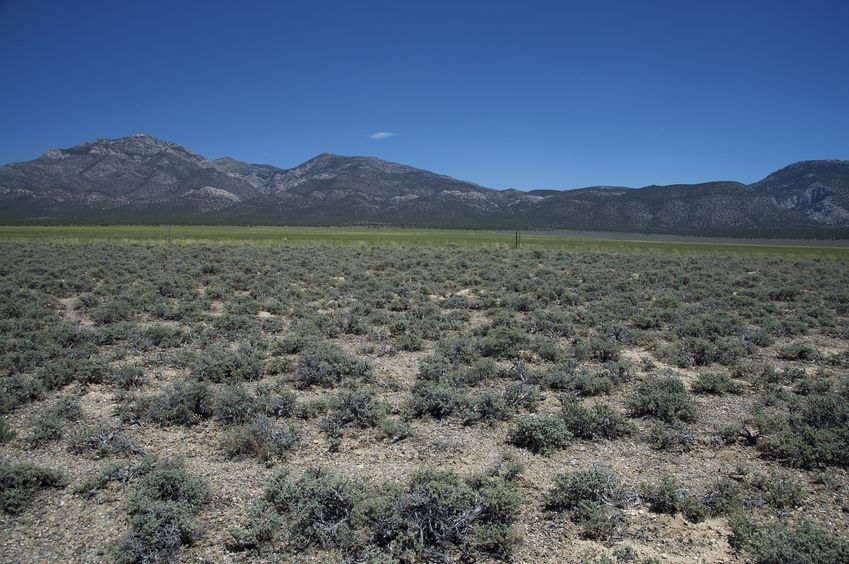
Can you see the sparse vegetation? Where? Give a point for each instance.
(408, 375)
(19, 483)
(435, 514)
(162, 512)
(540, 434)
(665, 398)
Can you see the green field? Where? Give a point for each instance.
(124, 234)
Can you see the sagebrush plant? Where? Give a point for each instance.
(813, 434)
(674, 437)
(236, 340)
(592, 498)
(436, 400)
(599, 421)
(219, 364)
(261, 438)
(715, 383)
(328, 366)
(776, 490)
(663, 397)
(20, 482)
(434, 514)
(17, 390)
(52, 423)
(186, 402)
(162, 510)
(540, 434)
(6, 431)
(778, 542)
(99, 441)
(234, 404)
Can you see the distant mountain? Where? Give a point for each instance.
(140, 179)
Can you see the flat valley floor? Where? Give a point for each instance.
(327, 403)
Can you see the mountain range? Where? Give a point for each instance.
(141, 179)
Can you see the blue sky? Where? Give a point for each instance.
(506, 94)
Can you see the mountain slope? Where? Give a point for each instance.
(143, 179)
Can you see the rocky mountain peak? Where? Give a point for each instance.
(140, 178)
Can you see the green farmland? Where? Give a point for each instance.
(363, 236)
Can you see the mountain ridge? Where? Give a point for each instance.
(144, 179)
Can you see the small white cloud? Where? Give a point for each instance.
(382, 135)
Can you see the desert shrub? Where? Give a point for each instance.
(458, 350)
(479, 371)
(439, 512)
(435, 368)
(486, 407)
(591, 498)
(695, 351)
(435, 400)
(310, 409)
(112, 311)
(59, 374)
(777, 490)
(723, 497)
(600, 349)
(294, 344)
(99, 441)
(358, 407)
(777, 542)
(715, 383)
(162, 513)
(587, 383)
(502, 341)
(128, 377)
(441, 369)
(394, 429)
(317, 506)
(51, 424)
(675, 436)
(435, 514)
(160, 335)
(567, 377)
(726, 435)
(234, 404)
(6, 431)
(548, 350)
(664, 496)
(799, 350)
(668, 496)
(260, 438)
(186, 402)
(275, 402)
(597, 422)
(598, 522)
(18, 389)
(812, 385)
(540, 434)
(594, 485)
(522, 395)
(122, 473)
(328, 366)
(409, 342)
(113, 472)
(814, 434)
(218, 364)
(665, 398)
(19, 483)
(618, 372)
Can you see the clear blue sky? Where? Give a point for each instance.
(506, 94)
